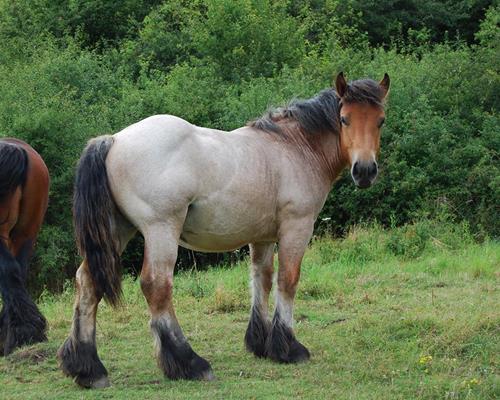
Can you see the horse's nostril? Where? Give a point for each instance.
(355, 169)
(373, 170)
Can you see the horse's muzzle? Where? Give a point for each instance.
(364, 173)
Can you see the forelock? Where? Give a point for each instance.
(365, 91)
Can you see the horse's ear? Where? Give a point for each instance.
(341, 84)
(385, 83)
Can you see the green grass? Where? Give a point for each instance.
(411, 313)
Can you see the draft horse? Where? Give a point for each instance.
(208, 190)
(24, 190)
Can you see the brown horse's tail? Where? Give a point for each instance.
(94, 213)
(13, 168)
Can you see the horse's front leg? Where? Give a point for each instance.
(282, 346)
(175, 356)
(262, 270)
(78, 355)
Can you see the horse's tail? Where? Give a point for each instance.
(13, 168)
(94, 218)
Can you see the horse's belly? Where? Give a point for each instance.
(209, 243)
(215, 228)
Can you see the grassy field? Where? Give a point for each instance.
(410, 313)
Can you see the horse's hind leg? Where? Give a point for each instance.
(261, 255)
(78, 355)
(21, 322)
(175, 356)
(282, 346)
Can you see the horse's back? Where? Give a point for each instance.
(157, 127)
(155, 149)
(165, 148)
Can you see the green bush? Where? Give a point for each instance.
(245, 39)
(66, 76)
(393, 20)
(96, 22)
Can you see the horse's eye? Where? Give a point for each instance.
(344, 121)
(381, 122)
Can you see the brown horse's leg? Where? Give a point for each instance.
(175, 356)
(21, 322)
(78, 355)
(282, 346)
(262, 269)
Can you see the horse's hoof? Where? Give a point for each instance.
(179, 361)
(101, 383)
(208, 376)
(199, 369)
(87, 383)
(298, 353)
(283, 347)
(80, 360)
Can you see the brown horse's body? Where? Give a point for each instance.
(24, 209)
(23, 203)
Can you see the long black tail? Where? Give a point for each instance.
(13, 167)
(20, 320)
(94, 218)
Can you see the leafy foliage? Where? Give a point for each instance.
(71, 70)
(393, 20)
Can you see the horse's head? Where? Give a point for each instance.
(361, 119)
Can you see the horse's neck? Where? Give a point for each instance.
(326, 156)
(323, 149)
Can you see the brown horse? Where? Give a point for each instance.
(24, 189)
(209, 190)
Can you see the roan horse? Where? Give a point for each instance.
(207, 190)
(24, 190)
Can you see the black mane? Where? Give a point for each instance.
(321, 113)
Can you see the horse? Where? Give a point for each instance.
(24, 191)
(212, 191)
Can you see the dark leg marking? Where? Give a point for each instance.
(282, 346)
(79, 359)
(176, 357)
(23, 258)
(21, 322)
(3, 329)
(257, 333)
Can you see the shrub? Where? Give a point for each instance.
(66, 77)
